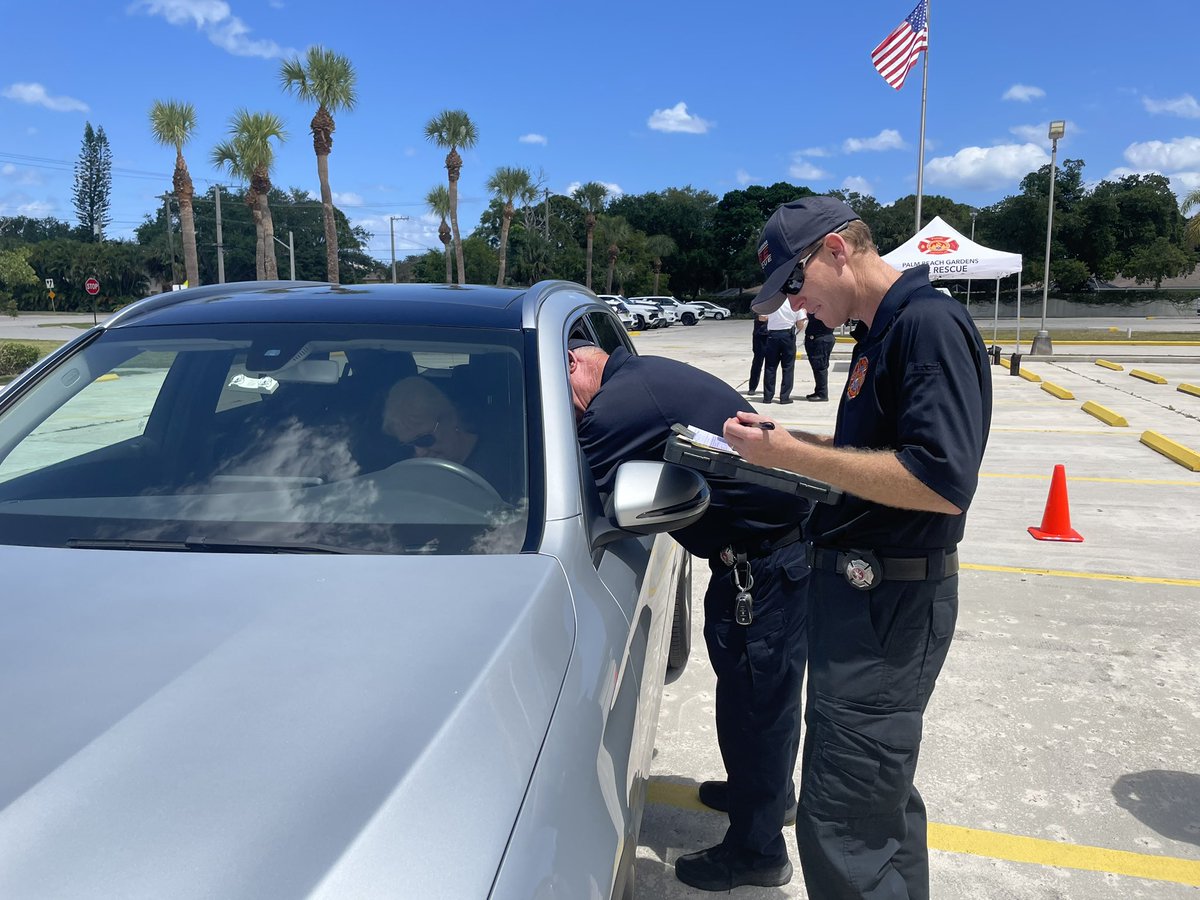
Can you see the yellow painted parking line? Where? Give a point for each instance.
(110, 376)
(1092, 576)
(1016, 848)
(1109, 364)
(1089, 431)
(997, 845)
(1192, 389)
(1159, 481)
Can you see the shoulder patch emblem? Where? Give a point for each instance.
(857, 377)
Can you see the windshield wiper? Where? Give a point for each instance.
(204, 544)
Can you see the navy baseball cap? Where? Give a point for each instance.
(791, 229)
(576, 343)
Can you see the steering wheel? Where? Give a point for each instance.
(458, 469)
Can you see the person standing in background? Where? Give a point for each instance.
(780, 353)
(818, 345)
(758, 344)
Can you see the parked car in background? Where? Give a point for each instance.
(621, 310)
(711, 310)
(277, 624)
(687, 313)
(645, 315)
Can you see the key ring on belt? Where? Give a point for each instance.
(738, 562)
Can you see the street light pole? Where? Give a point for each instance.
(974, 213)
(291, 246)
(1041, 341)
(392, 224)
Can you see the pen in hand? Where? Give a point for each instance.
(766, 426)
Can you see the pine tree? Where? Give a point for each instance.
(93, 183)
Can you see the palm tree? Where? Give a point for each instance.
(249, 155)
(173, 124)
(438, 201)
(508, 183)
(1190, 202)
(453, 128)
(591, 197)
(614, 231)
(659, 245)
(327, 79)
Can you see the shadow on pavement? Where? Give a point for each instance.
(1168, 802)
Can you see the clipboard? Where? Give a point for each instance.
(682, 451)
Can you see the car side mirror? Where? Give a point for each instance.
(653, 497)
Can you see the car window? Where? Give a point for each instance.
(401, 440)
(608, 335)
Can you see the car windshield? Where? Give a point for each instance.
(273, 438)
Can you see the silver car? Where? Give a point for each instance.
(261, 641)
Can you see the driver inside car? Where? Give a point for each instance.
(425, 421)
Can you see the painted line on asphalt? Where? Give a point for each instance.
(995, 844)
(1161, 481)
(1093, 576)
(1014, 848)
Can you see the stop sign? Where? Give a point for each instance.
(92, 286)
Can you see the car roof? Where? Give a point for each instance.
(385, 304)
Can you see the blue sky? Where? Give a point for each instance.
(638, 95)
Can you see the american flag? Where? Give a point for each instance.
(897, 53)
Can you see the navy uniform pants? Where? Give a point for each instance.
(874, 657)
(760, 674)
(780, 353)
(758, 344)
(818, 349)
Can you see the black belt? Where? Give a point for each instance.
(863, 569)
(782, 331)
(729, 554)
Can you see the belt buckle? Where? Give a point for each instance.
(727, 556)
(860, 568)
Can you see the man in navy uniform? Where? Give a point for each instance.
(626, 405)
(911, 430)
(818, 345)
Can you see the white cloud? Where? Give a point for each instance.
(1178, 155)
(1185, 106)
(861, 185)
(1023, 93)
(218, 23)
(22, 176)
(814, 151)
(986, 167)
(744, 178)
(35, 95)
(24, 205)
(347, 199)
(803, 170)
(533, 139)
(1039, 132)
(1185, 182)
(614, 190)
(678, 120)
(888, 139)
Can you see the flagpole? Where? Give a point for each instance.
(921, 146)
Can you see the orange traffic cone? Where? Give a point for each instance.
(1056, 520)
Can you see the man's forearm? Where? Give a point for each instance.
(875, 475)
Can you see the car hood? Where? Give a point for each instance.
(234, 725)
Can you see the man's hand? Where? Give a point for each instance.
(746, 434)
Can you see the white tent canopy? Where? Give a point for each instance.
(952, 257)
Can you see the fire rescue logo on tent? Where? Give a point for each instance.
(764, 254)
(937, 245)
(857, 377)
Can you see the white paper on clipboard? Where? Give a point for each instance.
(702, 438)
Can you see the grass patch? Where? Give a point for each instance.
(43, 347)
(80, 325)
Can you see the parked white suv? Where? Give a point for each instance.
(711, 310)
(687, 313)
(645, 315)
(622, 311)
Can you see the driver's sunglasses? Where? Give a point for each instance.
(424, 441)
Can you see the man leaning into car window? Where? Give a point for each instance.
(625, 406)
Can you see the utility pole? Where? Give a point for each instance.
(166, 199)
(392, 226)
(220, 246)
(291, 245)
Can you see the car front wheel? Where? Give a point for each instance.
(719, 316)
(689, 319)
(639, 323)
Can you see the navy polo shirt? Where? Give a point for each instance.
(639, 399)
(920, 385)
